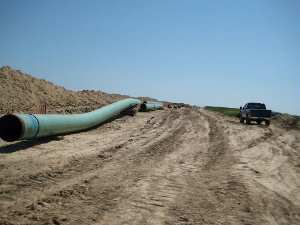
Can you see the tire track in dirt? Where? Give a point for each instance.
(213, 189)
(179, 187)
(156, 190)
(217, 142)
(267, 160)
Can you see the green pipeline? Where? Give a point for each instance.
(26, 126)
(149, 105)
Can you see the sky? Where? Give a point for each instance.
(200, 52)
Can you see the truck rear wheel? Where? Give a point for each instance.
(241, 120)
(248, 121)
(268, 122)
(258, 122)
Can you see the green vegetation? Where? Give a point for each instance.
(226, 111)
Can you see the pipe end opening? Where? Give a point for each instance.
(143, 107)
(11, 128)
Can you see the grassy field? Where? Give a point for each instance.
(226, 111)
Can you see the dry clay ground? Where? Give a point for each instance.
(172, 166)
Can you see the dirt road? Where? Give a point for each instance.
(172, 166)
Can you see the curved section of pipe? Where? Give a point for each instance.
(26, 126)
(149, 105)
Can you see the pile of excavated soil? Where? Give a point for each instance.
(22, 92)
(286, 121)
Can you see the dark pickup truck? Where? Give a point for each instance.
(255, 112)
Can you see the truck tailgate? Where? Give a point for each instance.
(261, 113)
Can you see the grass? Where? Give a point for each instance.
(234, 112)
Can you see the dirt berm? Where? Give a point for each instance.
(22, 92)
(171, 166)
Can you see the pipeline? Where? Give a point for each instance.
(149, 105)
(26, 126)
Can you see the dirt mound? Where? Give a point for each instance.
(286, 121)
(22, 92)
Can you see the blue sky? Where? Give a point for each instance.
(202, 52)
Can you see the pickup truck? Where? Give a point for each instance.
(255, 112)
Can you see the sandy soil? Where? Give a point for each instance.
(23, 93)
(172, 166)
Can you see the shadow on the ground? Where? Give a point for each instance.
(22, 145)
